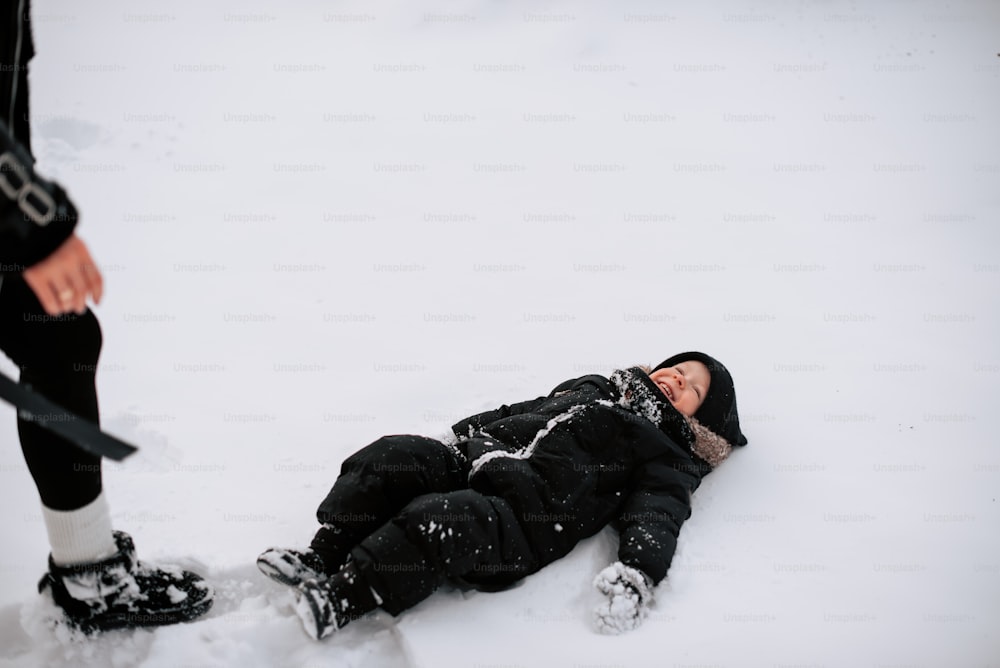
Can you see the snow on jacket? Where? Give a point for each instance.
(36, 215)
(594, 451)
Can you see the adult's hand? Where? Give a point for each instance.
(66, 279)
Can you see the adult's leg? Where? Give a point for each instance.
(93, 572)
(58, 357)
(375, 483)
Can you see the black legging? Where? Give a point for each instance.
(58, 359)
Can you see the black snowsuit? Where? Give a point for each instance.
(521, 487)
(58, 355)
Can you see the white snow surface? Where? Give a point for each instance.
(321, 222)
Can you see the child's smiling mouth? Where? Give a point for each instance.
(666, 390)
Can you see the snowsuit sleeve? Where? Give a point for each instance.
(36, 215)
(652, 515)
(476, 422)
(479, 421)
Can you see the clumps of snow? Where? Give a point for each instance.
(93, 585)
(175, 595)
(44, 621)
(49, 639)
(175, 572)
(636, 397)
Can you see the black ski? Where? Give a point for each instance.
(82, 433)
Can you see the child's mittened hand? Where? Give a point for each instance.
(629, 594)
(448, 438)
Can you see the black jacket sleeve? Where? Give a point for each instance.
(478, 421)
(36, 215)
(652, 515)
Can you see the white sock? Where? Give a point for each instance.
(80, 536)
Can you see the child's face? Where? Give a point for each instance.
(685, 385)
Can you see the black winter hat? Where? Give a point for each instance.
(718, 410)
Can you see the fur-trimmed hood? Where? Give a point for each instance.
(640, 395)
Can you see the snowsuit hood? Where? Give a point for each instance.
(717, 412)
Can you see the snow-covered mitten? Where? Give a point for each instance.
(120, 592)
(448, 437)
(629, 593)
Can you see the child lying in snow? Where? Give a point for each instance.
(516, 489)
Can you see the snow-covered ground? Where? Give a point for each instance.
(326, 221)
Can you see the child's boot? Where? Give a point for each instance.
(326, 554)
(291, 567)
(327, 606)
